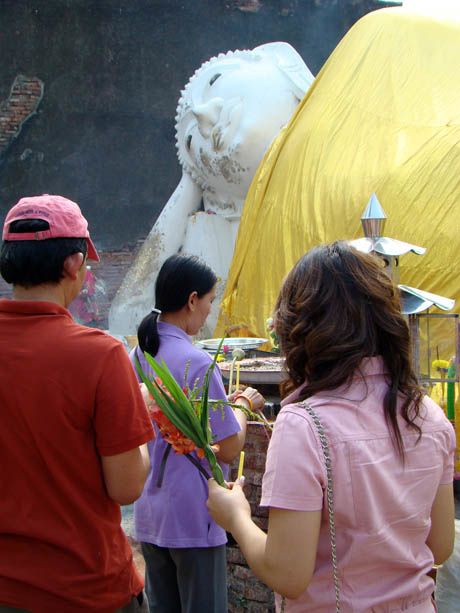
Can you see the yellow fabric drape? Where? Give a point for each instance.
(383, 116)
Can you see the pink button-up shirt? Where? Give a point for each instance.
(382, 507)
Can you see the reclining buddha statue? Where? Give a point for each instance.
(228, 114)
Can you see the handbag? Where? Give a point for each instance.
(329, 500)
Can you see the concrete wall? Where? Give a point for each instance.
(112, 72)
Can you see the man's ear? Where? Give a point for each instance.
(191, 303)
(73, 264)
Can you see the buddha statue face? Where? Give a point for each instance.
(230, 111)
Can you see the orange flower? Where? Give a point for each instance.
(182, 416)
(172, 435)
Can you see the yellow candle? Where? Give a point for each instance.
(240, 465)
(237, 384)
(230, 380)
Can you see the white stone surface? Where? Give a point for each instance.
(227, 116)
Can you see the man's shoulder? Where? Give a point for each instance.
(92, 340)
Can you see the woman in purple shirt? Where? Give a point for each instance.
(347, 350)
(183, 548)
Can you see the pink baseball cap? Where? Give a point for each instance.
(64, 217)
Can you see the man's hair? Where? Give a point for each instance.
(31, 263)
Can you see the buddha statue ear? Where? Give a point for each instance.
(184, 135)
(290, 63)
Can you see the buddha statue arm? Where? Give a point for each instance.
(135, 296)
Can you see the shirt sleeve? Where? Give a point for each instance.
(121, 418)
(451, 447)
(294, 476)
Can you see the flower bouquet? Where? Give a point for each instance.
(182, 414)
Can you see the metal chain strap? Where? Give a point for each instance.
(330, 503)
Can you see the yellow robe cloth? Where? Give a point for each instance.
(383, 116)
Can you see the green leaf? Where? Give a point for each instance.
(191, 429)
(216, 468)
(204, 412)
(177, 409)
(163, 372)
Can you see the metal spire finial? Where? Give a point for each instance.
(373, 219)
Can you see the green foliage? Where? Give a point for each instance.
(190, 415)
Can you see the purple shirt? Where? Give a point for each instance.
(175, 514)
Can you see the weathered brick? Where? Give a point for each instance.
(234, 555)
(255, 607)
(257, 591)
(242, 572)
(235, 584)
(246, 592)
(24, 98)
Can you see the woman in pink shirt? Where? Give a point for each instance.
(347, 352)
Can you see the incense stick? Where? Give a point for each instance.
(230, 381)
(240, 465)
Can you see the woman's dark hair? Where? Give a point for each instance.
(180, 276)
(336, 307)
(35, 262)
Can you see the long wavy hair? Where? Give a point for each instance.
(336, 307)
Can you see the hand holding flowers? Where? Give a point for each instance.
(227, 506)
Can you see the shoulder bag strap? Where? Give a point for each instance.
(330, 502)
(329, 498)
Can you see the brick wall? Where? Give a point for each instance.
(109, 273)
(246, 594)
(25, 96)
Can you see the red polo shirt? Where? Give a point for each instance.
(68, 394)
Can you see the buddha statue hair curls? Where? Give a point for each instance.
(336, 307)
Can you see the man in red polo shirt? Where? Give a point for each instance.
(73, 427)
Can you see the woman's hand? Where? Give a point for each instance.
(284, 558)
(231, 397)
(227, 506)
(149, 401)
(255, 399)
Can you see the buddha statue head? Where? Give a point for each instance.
(228, 114)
